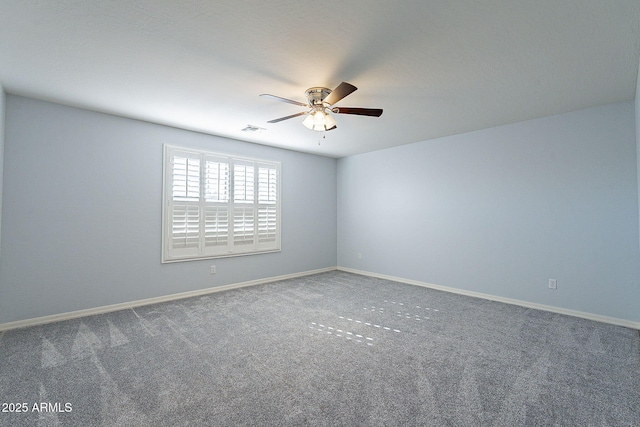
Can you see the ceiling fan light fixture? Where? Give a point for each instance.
(319, 121)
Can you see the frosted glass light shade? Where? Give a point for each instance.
(308, 121)
(319, 121)
(329, 122)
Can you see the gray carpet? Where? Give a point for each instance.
(328, 350)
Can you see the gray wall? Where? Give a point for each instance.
(498, 211)
(638, 138)
(2, 121)
(82, 212)
(502, 210)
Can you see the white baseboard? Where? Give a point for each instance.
(590, 316)
(132, 304)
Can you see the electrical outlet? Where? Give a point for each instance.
(212, 269)
(553, 284)
(359, 256)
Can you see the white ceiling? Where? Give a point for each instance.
(437, 68)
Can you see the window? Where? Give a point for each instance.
(216, 205)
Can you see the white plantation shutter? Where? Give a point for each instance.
(218, 205)
(267, 224)
(243, 198)
(243, 183)
(185, 226)
(267, 204)
(216, 181)
(184, 205)
(216, 226)
(216, 200)
(267, 184)
(186, 178)
(243, 225)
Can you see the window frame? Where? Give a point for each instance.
(264, 238)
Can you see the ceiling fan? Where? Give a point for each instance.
(320, 103)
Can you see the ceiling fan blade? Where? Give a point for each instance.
(287, 117)
(334, 127)
(340, 92)
(279, 98)
(373, 112)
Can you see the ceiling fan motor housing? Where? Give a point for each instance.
(316, 96)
